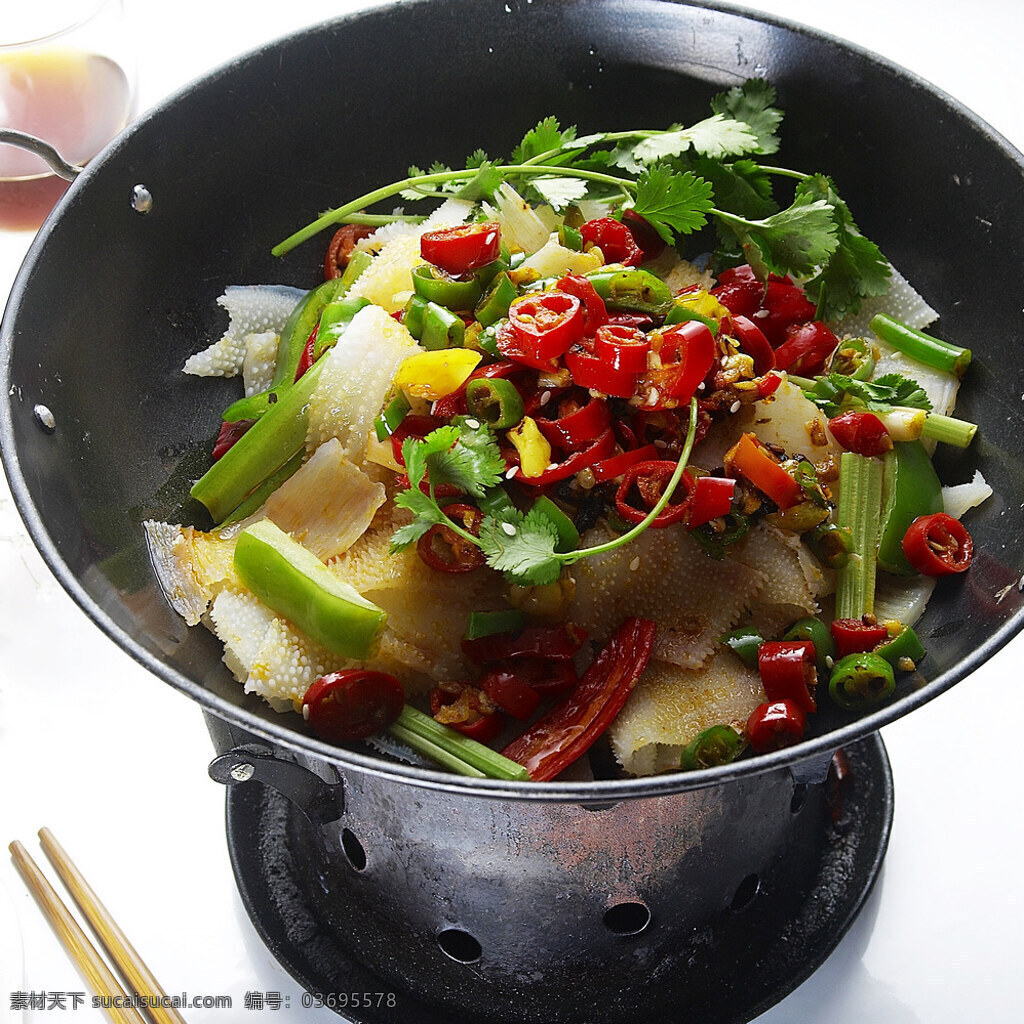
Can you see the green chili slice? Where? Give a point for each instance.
(299, 327)
(391, 418)
(495, 401)
(496, 301)
(905, 644)
(445, 291)
(441, 328)
(819, 634)
(719, 744)
(632, 290)
(508, 620)
(861, 680)
(334, 321)
(565, 528)
(744, 643)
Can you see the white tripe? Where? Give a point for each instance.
(252, 309)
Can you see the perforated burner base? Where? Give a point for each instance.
(746, 961)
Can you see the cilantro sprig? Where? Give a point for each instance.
(836, 392)
(678, 179)
(521, 545)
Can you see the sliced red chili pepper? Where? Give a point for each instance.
(558, 642)
(788, 672)
(602, 447)
(339, 251)
(595, 312)
(774, 306)
(854, 636)
(454, 403)
(711, 498)
(545, 325)
(411, 426)
(614, 239)
(306, 359)
(580, 419)
(443, 550)
(622, 348)
(550, 677)
(751, 459)
(806, 348)
(616, 465)
(693, 346)
(649, 479)
(570, 728)
(460, 250)
(352, 704)
(774, 725)
(753, 342)
(590, 371)
(467, 709)
(506, 687)
(938, 545)
(768, 384)
(644, 234)
(228, 434)
(860, 432)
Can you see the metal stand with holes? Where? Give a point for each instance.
(712, 903)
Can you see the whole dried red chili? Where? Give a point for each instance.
(443, 550)
(556, 642)
(570, 728)
(648, 480)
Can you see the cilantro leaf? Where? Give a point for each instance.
(672, 202)
(855, 270)
(741, 187)
(836, 392)
(426, 513)
(545, 138)
(416, 452)
(716, 136)
(482, 185)
(522, 547)
(558, 192)
(751, 103)
(798, 239)
(473, 463)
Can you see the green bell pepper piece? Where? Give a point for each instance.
(293, 582)
(910, 488)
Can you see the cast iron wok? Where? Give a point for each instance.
(110, 301)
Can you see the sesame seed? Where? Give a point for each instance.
(762, 313)
(511, 472)
(545, 398)
(700, 386)
(652, 398)
(635, 564)
(509, 529)
(305, 712)
(660, 443)
(473, 424)
(735, 407)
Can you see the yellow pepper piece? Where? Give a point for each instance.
(704, 303)
(532, 445)
(432, 375)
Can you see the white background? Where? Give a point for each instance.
(115, 762)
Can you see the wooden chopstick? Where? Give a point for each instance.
(91, 965)
(114, 941)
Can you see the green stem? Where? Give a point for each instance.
(933, 352)
(343, 213)
(478, 756)
(432, 751)
(860, 503)
(949, 429)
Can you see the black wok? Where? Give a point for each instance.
(110, 301)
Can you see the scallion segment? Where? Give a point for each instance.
(860, 503)
(414, 726)
(941, 355)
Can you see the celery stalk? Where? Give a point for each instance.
(860, 503)
(420, 726)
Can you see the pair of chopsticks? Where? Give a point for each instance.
(120, 1007)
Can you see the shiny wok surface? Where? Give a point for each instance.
(110, 301)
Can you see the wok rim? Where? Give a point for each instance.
(816, 751)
